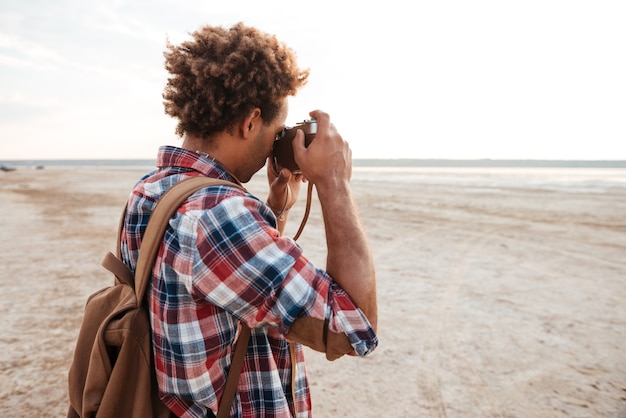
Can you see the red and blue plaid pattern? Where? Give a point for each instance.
(223, 262)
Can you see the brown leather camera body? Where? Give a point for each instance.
(282, 150)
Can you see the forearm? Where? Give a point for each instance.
(350, 261)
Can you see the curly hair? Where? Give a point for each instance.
(223, 74)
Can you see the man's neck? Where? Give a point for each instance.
(216, 149)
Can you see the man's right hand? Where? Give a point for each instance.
(327, 161)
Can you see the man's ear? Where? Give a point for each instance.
(251, 123)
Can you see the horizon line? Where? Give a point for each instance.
(358, 162)
(357, 158)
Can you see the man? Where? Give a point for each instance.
(223, 261)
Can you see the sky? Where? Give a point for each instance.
(458, 79)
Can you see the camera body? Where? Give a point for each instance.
(282, 150)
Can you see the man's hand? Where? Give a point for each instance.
(284, 190)
(328, 159)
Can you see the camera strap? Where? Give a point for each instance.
(307, 210)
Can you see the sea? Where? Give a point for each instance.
(385, 163)
(598, 176)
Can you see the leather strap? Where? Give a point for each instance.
(150, 244)
(119, 269)
(233, 374)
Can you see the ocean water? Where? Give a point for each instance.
(581, 179)
(391, 164)
(579, 175)
(138, 163)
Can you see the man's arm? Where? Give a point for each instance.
(350, 261)
(327, 162)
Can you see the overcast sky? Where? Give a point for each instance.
(400, 79)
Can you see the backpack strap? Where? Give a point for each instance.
(230, 389)
(152, 238)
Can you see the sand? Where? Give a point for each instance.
(502, 294)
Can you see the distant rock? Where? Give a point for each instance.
(6, 168)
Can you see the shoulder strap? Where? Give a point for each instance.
(230, 389)
(152, 238)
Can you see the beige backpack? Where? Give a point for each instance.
(112, 373)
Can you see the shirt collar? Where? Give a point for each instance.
(170, 156)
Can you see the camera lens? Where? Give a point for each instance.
(281, 134)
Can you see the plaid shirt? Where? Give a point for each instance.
(222, 262)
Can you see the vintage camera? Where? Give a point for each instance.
(282, 151)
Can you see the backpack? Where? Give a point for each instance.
(112, 373)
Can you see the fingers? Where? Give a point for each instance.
(298, 143)
(328, 158)
(323, 126)
(322, 118)
(283, 177)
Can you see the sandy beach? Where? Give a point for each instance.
(502, 293)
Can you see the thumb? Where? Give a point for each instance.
(283, 178)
